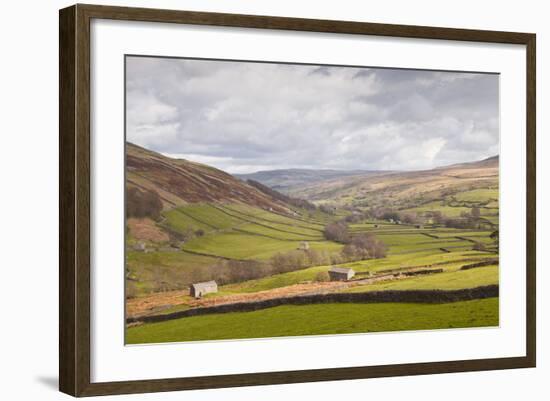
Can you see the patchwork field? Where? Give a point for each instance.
(237, 245)
(240, 232)
(442, 234)
(226, 232)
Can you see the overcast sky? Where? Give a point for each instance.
(246, 117)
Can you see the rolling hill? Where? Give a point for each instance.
(180, 182)
(403, 189)
(261, 246)
(287, 180)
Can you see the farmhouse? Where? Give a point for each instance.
(340, 273)
(197, 290)
(304, 246)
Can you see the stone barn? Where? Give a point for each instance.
(304, 246)
(199, 289)
(340, 273)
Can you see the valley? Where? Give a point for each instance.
(434, 231)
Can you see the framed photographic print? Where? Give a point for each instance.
(246, 199)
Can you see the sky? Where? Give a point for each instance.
(244, 117)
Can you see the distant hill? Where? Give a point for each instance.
(398, 189)
(179, 182)
(489, 162)
(285, 180)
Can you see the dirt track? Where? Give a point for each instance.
(159, 302)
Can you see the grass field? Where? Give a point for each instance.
(440, 206)
(204, 224)
(246, 246)
(478, 195)
(177, 220)
(452, 279)
(291, 320)
(234, 231)
(237, 231)
(270, 217)
(448, 261)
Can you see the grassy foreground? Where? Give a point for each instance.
(293, 320)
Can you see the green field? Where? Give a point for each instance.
(240, 232)
(478, 195)
(447, 261)
(290, 320)
(245, 246)
(211, 216)
(449, 280)
(189, 223)
(271, 217)
(180, 222)
(440, 206)
(231, 231)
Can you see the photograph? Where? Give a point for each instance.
(276, 199)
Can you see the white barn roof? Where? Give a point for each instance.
(204, 284)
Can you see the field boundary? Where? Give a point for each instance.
(312, 239)
(391, 296)
(264, 225)
(251, 216)
(212, 255)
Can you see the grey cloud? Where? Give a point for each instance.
(243, 116)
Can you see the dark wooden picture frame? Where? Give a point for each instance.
(74, 203)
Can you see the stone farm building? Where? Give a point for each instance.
(340, 273)
(199, 289)
(304, 246)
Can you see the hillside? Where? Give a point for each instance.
(263, 247)
(404, 189)
(179, 182)
(285, 180)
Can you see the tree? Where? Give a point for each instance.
(437, 217)
(337, 232)
(409, 218)
(390, 215)
(328, 209)
(145, 203)
(479, 246)
(364, 246)
(350, 252)
(322, 276)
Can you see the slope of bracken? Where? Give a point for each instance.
(179, 181)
